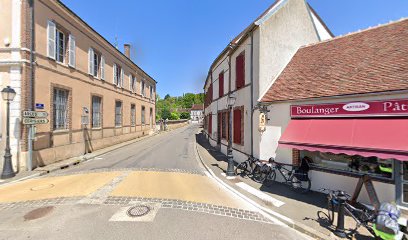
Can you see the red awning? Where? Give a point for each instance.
(383, 138)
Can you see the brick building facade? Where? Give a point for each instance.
(94, 94)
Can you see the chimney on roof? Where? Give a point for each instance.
(126, 47)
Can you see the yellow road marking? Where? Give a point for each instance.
(171, 185)
(53, 187)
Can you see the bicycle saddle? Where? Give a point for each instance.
(368, 207)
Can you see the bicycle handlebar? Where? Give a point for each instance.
(335, 193)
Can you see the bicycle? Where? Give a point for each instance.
(247, 167)
(363, 214)
(298, 180)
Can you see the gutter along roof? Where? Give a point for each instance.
(104, 39)
(371, 61)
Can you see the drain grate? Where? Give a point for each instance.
(138, 211)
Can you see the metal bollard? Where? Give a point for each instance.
(340, 231)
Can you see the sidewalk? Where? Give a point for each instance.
(40, 171)
(299, 211)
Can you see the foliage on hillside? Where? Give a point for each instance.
(172, 107)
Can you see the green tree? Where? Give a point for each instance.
(167, 96)
(174, 116)
(165, 114)
(185, 115)
(188, 100)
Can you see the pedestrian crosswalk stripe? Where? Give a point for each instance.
(260, 194)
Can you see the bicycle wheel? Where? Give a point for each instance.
(260, 173)
(301, 186)
(241, 169)
(271, 177)
(330, 211)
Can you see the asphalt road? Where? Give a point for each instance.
(91, 222)
(171, 150)
(106, 187)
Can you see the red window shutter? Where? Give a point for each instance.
(223, 126)
(227, 118)
(237, 126)
(210, 124)
(219, 125)
(221, 84)
(240, 70)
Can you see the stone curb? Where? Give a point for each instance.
(292, 224)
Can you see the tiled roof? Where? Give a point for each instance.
(197, 107)
(373, 60)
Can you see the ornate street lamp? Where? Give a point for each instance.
(230, 169)
(8, 95)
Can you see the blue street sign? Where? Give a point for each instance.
(39, 106)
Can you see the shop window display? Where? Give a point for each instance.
(373, 166)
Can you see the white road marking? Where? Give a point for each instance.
(268, 213)
(265, 197)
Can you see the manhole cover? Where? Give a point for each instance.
(38, 213)
(42, 187)
(138, 211)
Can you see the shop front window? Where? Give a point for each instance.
(373, 166)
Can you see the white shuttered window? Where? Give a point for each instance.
(71, 51)
(102, 67)
(90, 60)
(121, 77)
(115, 74)
(51, 34)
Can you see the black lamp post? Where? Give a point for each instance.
(230, 169)
(8, 95)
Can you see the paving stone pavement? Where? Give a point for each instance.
(101, 197)
(129, 201)
(102, 193)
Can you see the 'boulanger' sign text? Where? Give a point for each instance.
(352, 109)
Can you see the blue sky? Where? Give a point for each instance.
(176, 41)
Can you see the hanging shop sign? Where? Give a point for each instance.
(262, 122)
(397, 107)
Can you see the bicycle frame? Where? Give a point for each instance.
(279, 168)
(357, 214)
(362, 217)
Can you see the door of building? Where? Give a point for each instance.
(402, 183)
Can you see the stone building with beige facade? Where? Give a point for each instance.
(95, 95)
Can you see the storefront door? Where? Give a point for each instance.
(402, 183)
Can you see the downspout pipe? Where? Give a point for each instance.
(252, 93)
(31, 89)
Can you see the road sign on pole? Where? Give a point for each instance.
(33, 114)
(28, 121)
